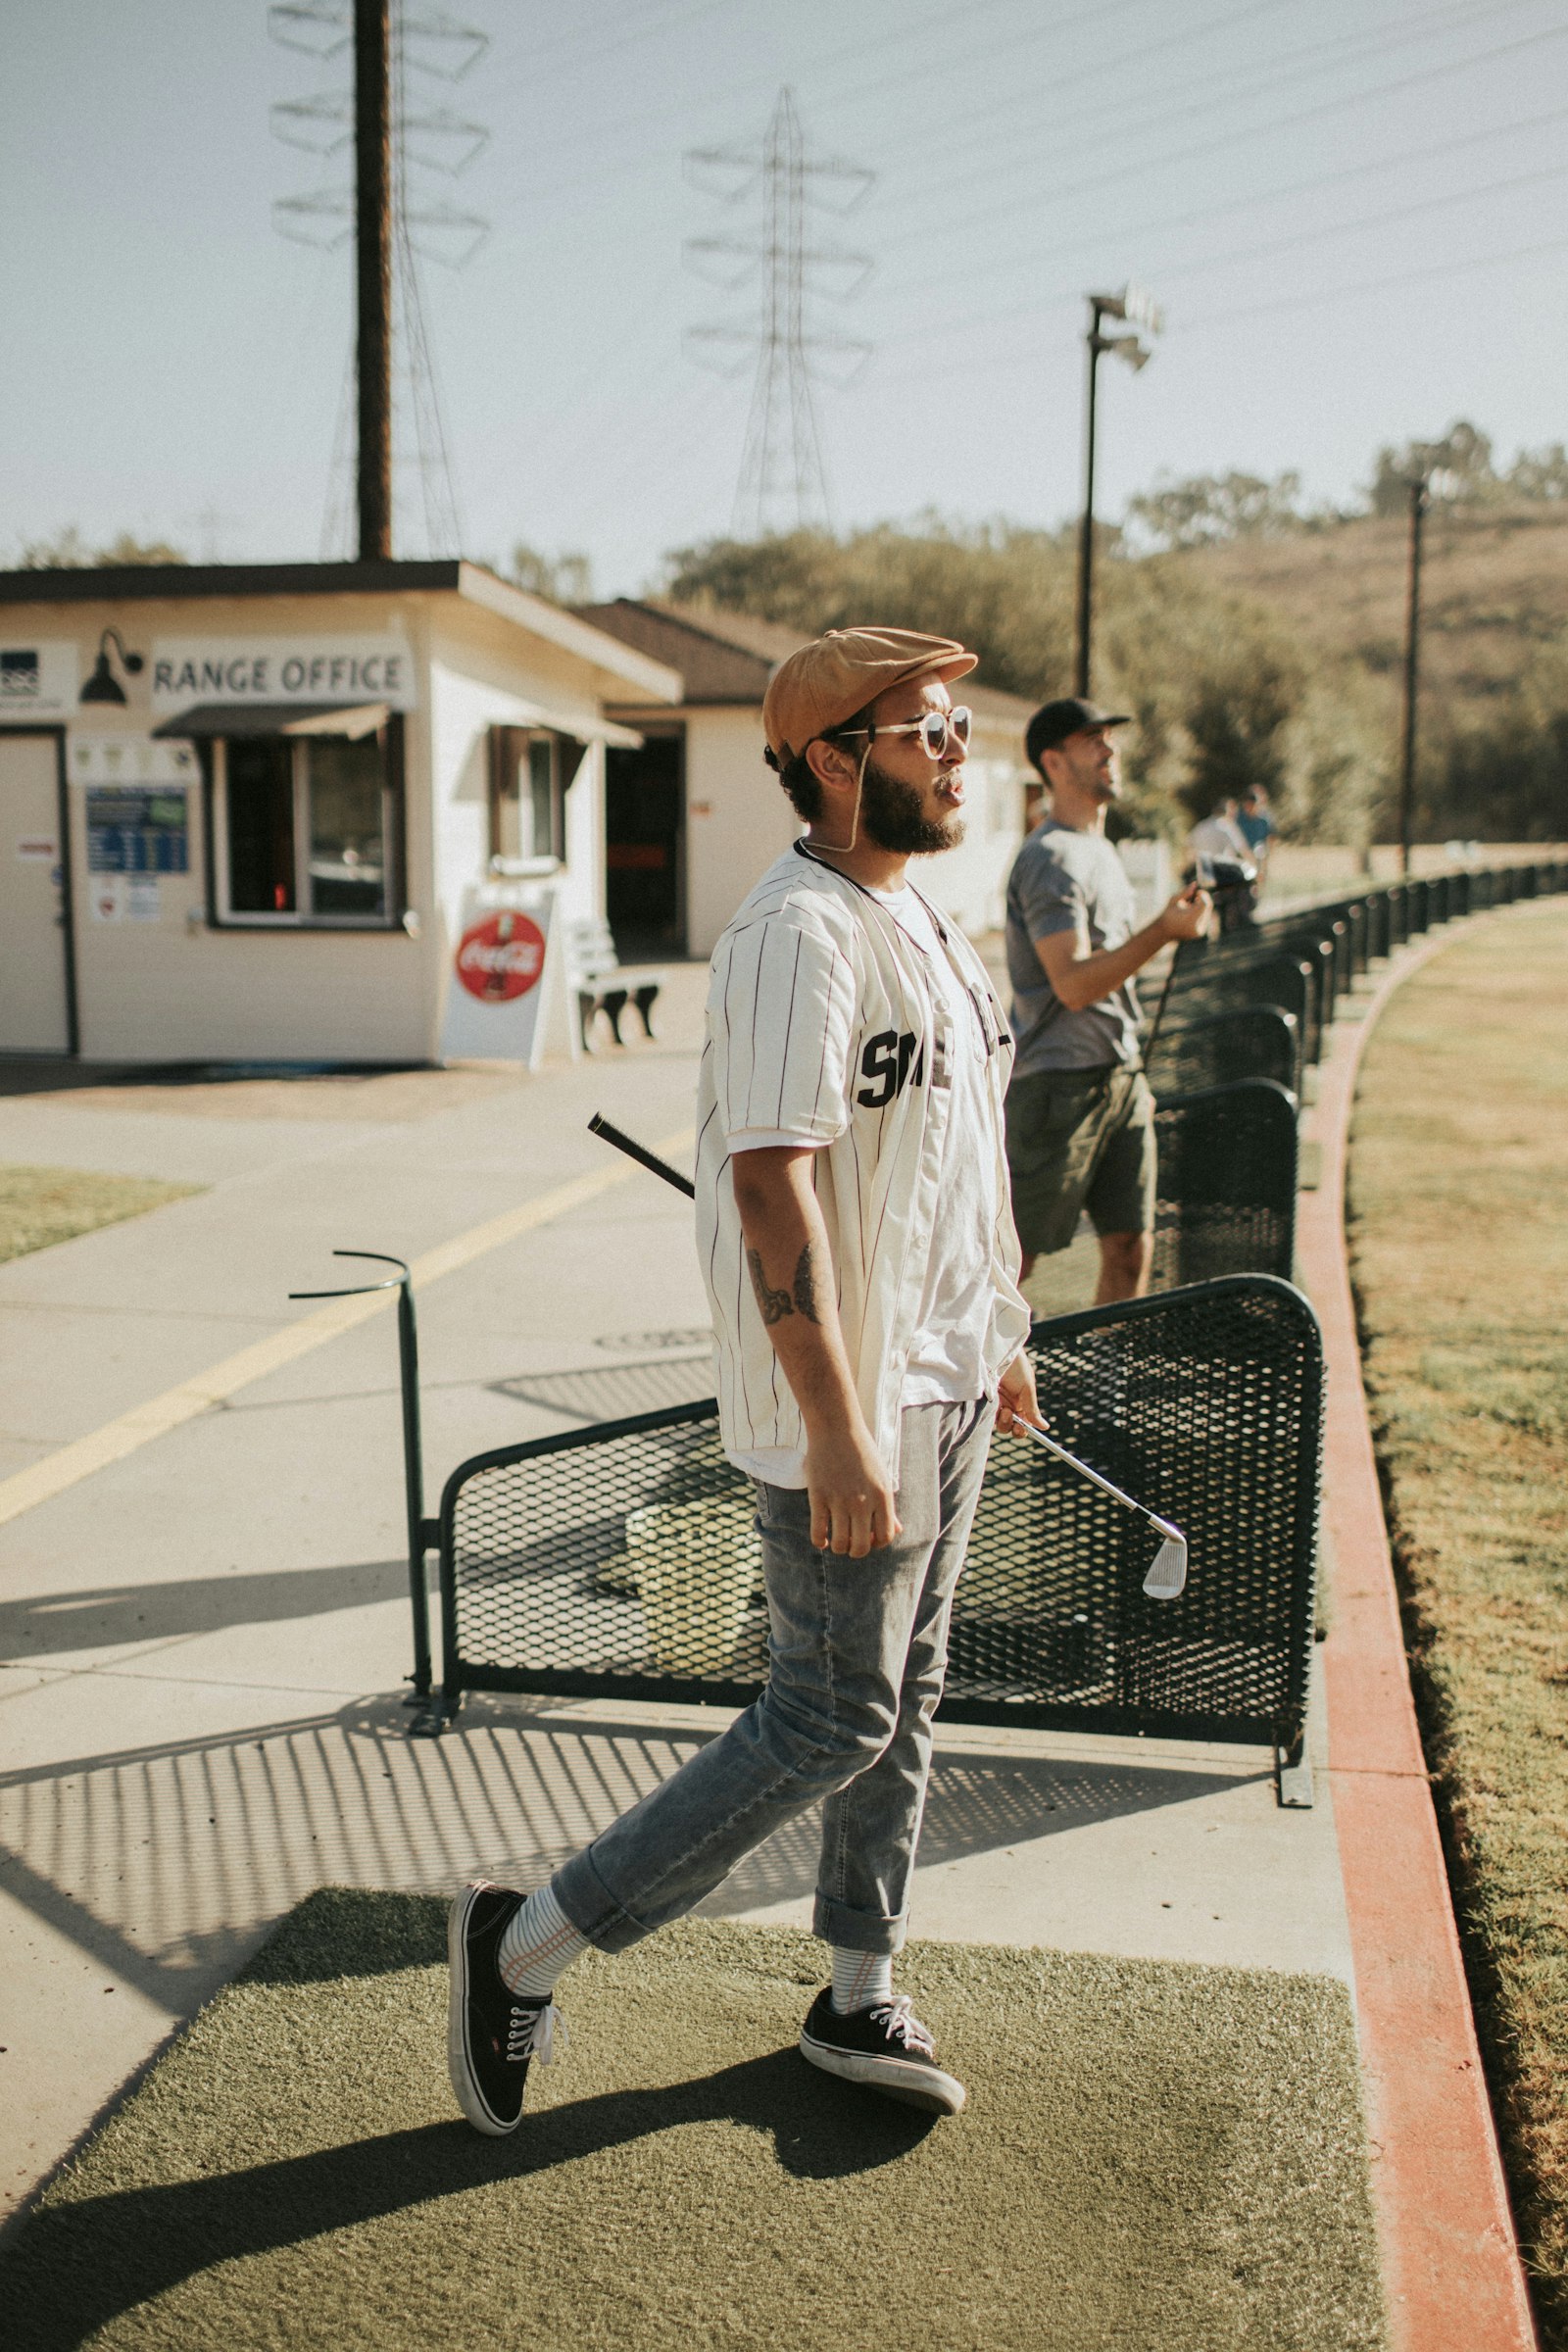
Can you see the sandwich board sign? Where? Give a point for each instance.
(507, 993)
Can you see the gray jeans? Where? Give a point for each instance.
(858, 1652)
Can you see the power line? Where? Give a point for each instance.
(1443, 148)
(1009, 363)
(1145, 164)
(1375, 286)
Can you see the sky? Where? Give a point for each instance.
(1352, 214)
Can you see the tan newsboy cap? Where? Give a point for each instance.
(828, 680)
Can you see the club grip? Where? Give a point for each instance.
(639, 1152)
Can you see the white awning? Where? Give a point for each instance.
(585, 726)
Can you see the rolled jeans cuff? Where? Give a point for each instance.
(591, 1907)
(857, 1930)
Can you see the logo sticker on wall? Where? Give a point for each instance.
(37, 681)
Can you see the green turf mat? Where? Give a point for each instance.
(1155, 2159)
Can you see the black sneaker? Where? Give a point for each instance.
(492, 2033)
(886, 2047)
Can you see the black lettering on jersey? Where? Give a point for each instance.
(885, 1063)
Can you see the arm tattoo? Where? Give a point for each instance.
(806, 1285)
(775, 1304)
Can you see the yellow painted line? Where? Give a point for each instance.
(25, 1488)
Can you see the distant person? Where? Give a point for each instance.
(1080, 1113)
(1218, 842)
(1255, 823)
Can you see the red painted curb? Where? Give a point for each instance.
(1450, 2257)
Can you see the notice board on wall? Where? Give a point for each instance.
(137, 832)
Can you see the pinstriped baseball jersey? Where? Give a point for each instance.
(824, 1024)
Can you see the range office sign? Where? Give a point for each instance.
(188, 671)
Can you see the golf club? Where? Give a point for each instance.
(1168, 1571)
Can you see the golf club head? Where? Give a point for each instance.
(1168, 1571)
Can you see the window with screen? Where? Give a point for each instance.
(304, 830)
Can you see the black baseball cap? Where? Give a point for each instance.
(1055, 722)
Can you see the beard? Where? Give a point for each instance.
(892, 816)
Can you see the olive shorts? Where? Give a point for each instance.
(1080, 1140)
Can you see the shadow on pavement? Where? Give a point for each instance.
(50, 1624)
(163, 1862)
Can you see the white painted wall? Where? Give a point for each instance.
(175, 991)
(738, 819)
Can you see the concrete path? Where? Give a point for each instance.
(201, 1718)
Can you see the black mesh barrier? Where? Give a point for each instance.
(1256, 1041)
(1225, 1201)
(623, 1561)
(1222, 984)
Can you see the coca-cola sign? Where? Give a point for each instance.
(501, 958)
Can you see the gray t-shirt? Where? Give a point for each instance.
(1064, 881)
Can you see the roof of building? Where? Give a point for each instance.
(609, 651)
(729, 656)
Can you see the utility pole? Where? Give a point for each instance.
(1085, 538)
(1420, 490)
(372, 221)
(1134, 306)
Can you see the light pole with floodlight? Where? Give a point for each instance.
(1139, 311)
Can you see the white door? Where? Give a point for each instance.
(33, 1014)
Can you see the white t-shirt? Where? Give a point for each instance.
(947, 1355)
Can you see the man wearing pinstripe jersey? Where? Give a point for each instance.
(855, 1236)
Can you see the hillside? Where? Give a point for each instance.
(1495, 584)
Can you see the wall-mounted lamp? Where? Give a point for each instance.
(103, 686)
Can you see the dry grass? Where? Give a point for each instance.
(1459, 1234)
(1494, 580)
(42, 1205)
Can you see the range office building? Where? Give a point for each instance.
(246, 811)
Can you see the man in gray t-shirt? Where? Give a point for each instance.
(1080, 1114)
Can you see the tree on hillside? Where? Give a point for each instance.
(1217, 683)
(1004, 589)
(1539, 473)
(67, 551)
(1207, 506)
(1464, 455)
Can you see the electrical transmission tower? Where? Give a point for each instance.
(425, 139)
(783, 482)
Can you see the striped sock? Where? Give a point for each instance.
(860, 1978)
(539, 1943)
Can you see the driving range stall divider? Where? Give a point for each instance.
(623, 1561)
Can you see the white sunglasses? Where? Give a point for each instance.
(933, 728)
